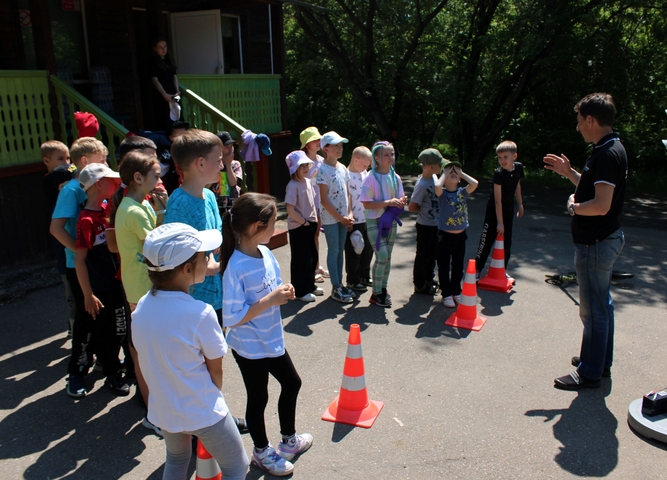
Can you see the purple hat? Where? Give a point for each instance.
(295, 159)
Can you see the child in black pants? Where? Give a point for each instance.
(302, 225)
(500, 207)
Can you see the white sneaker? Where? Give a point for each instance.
(270, 461)
(318, 292)
(457, 299)
(308, 297)
(449, 302)
(295, 446)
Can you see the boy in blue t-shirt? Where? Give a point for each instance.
(198, 154)
(452, 226)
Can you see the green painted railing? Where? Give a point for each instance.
(252, 100)
(201, 114)
(111, 132)
(25, 116)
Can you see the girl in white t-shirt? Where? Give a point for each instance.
(382, 189)
(301, 224)
(180, 346)
(336, 209)
(251, 310)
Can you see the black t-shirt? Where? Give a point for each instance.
(164, 74)
(508, 182)
(607, 164)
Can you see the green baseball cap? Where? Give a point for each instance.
(431, 156)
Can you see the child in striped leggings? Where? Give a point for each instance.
(382, 189)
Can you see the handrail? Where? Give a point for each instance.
(70, 101)
(201, 114)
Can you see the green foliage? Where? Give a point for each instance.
(476, 72)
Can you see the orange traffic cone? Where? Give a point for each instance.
(207, 467)
(466, 314)
(496, 280)
(352, 405)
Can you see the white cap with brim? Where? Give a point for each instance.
(172, 244)
(93, 173)
(331, 138)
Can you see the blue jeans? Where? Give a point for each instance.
(594, 265)
(335, 234)
(223, 442)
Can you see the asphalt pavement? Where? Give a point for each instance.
(458, 404)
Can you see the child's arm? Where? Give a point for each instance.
(214, 367)
(519, 200)
(497, 198)
(294, 215)
(324, 201)
(112, 243)
(57, 229)
(91, 302)
(472, 183)
(278, 297)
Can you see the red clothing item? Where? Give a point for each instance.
(101, 263)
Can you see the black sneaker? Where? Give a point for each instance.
(367, 282)
(387, 296)
(117, 385)
(427, 289)
(574, 381)
(380, 299)
(76, 387)
(605, 373)
(357, 287)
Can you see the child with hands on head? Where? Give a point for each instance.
(333, 180)
(452, 226)
(254, 292)
(301, 224)
(382, 189)
(181, 346)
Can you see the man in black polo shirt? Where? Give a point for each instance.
(595, 208)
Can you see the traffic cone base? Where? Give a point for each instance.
(352, 406)
(475, 324)
(496, 280)
(359, 418)
(502, 285)
(466, 315)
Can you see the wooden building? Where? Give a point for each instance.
(60, 56)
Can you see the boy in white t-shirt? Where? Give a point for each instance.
(358, 265)
(180, 347)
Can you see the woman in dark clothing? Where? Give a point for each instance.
(165, 81)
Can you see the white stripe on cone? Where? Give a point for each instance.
(353, 384)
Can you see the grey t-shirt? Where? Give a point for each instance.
(424, 195)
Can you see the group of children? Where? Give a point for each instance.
(147, 270)
(358, 211)
(160, 296)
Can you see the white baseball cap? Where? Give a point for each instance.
(172, 244)
(357, 241)
(95, 172)
(331, 138)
